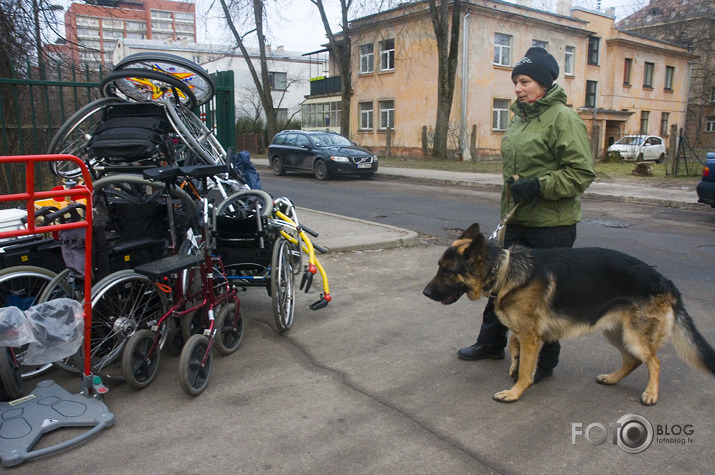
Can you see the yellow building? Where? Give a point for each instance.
(394, 76)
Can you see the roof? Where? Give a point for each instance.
(168, 45)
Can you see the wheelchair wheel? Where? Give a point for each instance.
(243, 204)
(142, 85)
(75, 133)
(187, 71)
(193, 375)
(21, 287)
(282, 285)
(139, 362)
(10, 375)
(229, 325)
(122, 303)
(195, 135)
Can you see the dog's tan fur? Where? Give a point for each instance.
(524, 301)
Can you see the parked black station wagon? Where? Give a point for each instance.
(324, 153)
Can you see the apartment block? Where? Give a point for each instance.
(92, 30)
(618, 82)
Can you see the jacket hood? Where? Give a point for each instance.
(531, 110)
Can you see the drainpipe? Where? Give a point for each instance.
(465, 84)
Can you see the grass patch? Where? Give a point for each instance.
(604, 170)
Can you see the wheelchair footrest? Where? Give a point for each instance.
(168, 265)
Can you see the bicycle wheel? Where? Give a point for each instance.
(194, 372)
(282, 284)
(194, 134)
(128, 188)
(122, 303)
(10, 375)
(75, 133)
(140, 360)
(21, 287)
(198, 80)
(142, 85)
(229, 329)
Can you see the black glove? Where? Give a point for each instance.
(524, 190)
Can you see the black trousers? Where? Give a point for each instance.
(492, 334)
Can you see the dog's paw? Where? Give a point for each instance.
(506, 396)
(606, 379)
(648, 398)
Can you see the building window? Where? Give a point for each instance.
(502, 49)
(366, 110)
(594, 45)
(387, 55)
(387, 114)
(648, 75)
(591, 87)
(278, 81)
(712, 94)
(664, 119)
(569, 56)
(500, 114)
(367, 58)
(710, 124)
(669, 75)
(645, 117)
(540, 44)
(627, 67)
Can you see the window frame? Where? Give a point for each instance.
(669, 78)
(664, 123)
(272, 76)
(710, 124)
(500, 115)
(648, 73)
(627, 71)
(644, 122)
(504, 50)
(387, 54)
(591, 95)
(569, 60)
(364, 58)
(367, 116)
(390, 114)
(593, 54)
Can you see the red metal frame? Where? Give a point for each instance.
(30, 196)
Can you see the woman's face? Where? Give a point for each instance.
(526, 89)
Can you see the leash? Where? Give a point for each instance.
(493, 236)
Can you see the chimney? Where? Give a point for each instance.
(564, 7)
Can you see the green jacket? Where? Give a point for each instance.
(547, 139)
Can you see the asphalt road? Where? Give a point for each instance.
(372, 384)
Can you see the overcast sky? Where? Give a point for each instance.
(298, 27)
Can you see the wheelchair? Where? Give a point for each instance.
(262, 243)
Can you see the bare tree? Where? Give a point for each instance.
(262, 83)
(342, 54)
(447, 56)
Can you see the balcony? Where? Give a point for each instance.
(331, 85)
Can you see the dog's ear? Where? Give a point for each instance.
(476, 247)
(471, 232)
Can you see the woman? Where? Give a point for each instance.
(547, 165)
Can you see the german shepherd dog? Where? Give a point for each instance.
(550, 294)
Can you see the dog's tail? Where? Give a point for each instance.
(689, 343)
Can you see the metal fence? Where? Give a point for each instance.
(37, 99)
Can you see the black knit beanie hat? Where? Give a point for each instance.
(539, 65)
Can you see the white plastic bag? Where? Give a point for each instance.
(58, 328)
(15, 328)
